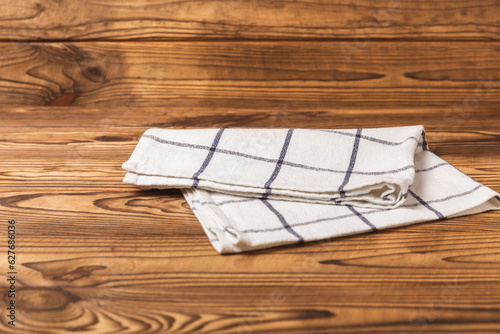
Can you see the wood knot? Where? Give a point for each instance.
(63, 100)
(78, 273)
(112, 138)
(94, 73)
(42, 299)
(93, 70)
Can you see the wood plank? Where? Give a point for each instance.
(250, 74)
(153, 309)
(256, 19)
(98, 256)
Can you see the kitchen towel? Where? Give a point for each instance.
(259, 188)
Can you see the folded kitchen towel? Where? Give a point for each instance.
(259, 188)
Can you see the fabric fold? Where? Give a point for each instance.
(259, 188)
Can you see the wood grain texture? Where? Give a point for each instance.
(97, 256)
(250, 74)
(80, 81)
(248, 19)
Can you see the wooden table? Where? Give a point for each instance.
(81, 81)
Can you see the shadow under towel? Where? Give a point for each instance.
(259, 188)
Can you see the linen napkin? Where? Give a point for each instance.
(259, 188)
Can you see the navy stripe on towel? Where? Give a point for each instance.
(363, 218)
(196, 175)
(282, 220)
(279, 163)
(351, 163)
(425, 146)
(424, 203)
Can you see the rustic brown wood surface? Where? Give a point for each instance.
(252, 74)
(98, 256)
(80, 81)
(249, 19)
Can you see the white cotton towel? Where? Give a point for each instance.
(259, 188)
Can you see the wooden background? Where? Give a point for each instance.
(81, 80)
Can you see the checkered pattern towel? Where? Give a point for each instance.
(259, 188)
